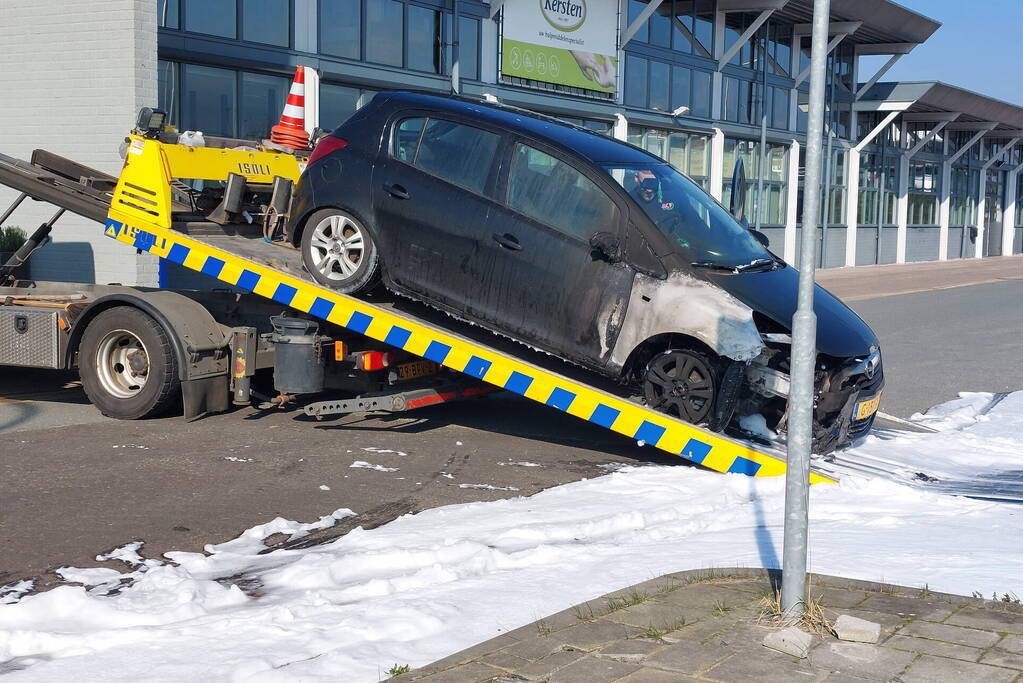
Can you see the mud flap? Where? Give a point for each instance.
(206, 395)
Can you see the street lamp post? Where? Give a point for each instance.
(804, 339)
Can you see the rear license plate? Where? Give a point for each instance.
(865, 409)
(419, 368)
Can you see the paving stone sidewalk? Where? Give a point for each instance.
(707, 625)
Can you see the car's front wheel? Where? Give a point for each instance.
(338, 251)
(684, 383)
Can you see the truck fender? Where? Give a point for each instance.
(198, 339)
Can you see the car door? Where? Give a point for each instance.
(540, 279)
(429, 202)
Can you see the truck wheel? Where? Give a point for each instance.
(128, 367)
(684, 383)
(339, 252)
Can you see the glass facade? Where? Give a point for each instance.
(237, 89)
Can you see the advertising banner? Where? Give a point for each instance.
(568, 42)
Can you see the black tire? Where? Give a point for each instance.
(685, 383)
(128, 367)
(330, 253)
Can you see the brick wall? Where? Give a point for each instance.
(72, 78)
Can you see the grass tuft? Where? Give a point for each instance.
(654, 633)
(399, 669)
(812, 620)
(618, 602)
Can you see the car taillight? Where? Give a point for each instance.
(326, 145)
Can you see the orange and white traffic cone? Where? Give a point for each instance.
(290, 132)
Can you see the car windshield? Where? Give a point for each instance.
(688, 215)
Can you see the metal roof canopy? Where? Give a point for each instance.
(882, 21)
(941, 98)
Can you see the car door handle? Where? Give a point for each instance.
(396, 190)
(507, 241)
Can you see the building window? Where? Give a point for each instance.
(923, 193)
(469, 48)
(779, 49)
(1019, 200)
(688, 152)
(212, 17)
(423, 51)
(167, 13)
(338, 103)
(384, 29)
(965, 183)
(775, 177)
(635, 81)
(700, 103)
(266, 21)
(741, 101)
(340, 27)
(262, 100)
(877, 179)
(167, 89)
(659, 86)
(917, 131)
(834, 205)
(209, 99)
(749, 54)
(779, 108)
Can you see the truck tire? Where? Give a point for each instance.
(128, 367)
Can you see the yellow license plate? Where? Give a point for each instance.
(419, 368)
(865, 409)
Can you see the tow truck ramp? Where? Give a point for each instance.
(143, 214)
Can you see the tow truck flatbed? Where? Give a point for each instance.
(143, 214)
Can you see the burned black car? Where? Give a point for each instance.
(586, 247)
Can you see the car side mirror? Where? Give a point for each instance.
(760, 237)
(737, 202)
(607, 246)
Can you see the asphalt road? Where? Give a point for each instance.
(936, 344)
(74, 484)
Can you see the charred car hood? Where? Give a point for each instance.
(840, 332)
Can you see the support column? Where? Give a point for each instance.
(902, 210)
(791, 203)
(717, 163)
(1009, 212)
(978, 246)
(944, 209)
(852, 206)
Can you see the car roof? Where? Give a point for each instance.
(588, 144)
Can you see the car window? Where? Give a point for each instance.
(455, 152)
(406, 138)
(555, 193)
(687, 215)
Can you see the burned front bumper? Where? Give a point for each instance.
(847, 396)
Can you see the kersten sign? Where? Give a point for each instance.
(569, 42)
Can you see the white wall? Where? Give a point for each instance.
(72, 78)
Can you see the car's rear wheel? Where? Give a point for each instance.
(683, 383)
(338, 251)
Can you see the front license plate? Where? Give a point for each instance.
(419, 368)
(865, 409)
